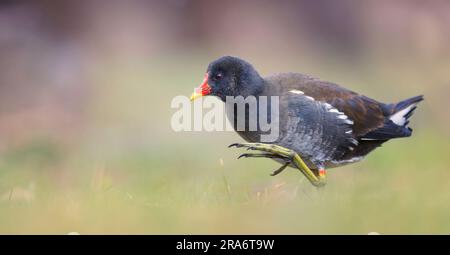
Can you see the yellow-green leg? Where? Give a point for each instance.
(275, 151)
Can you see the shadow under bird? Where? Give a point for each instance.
(321, 124)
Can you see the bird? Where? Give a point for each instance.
(322, 125)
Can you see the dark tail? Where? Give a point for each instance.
(397, 119)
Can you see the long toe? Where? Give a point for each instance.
(237, 145)
(281, 169)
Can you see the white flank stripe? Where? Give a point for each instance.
(295, 91)
(348, 160)
(327, 105)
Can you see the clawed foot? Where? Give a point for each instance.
(260, 155)
(269, 151)
(287, 155)
(268, 155)
(269, 148)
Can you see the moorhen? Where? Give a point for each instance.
(321, 124)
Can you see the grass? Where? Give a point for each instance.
(127, 172)
(140, 192)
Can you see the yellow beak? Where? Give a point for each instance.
(195, 95)
(202, 90)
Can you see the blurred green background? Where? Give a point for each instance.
(86, 144)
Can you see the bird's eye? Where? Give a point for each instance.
(218, 76)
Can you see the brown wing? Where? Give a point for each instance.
(367, 114)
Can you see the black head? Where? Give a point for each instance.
(230, 76)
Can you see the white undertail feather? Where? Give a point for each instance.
(399, 117)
